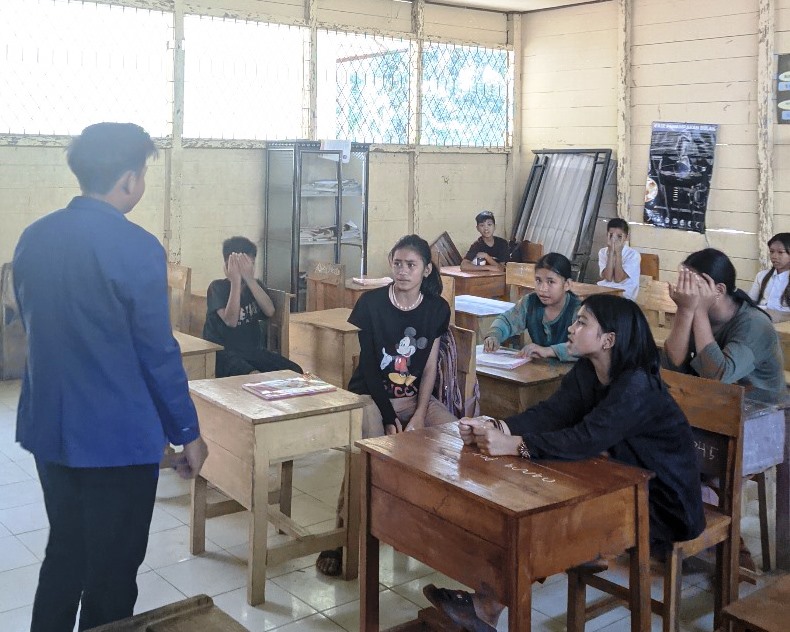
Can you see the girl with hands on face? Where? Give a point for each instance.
(545, 313)
(612, 401)
(719, 333)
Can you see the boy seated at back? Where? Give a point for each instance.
(489, 251)
(237, 308)
(618, 263)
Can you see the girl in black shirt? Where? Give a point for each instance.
(399, 330)
(613, 400)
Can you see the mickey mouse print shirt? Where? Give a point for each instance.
(394, 346)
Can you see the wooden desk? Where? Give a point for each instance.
(498, 521)
(245, 435)
(199, 356)
(505, 392)
(354, 290)
(488, 284)
(474, 320)
(325, 344)
(582, 290)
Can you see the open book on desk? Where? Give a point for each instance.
(500, 359)
(290, 387)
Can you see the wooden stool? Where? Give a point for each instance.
(196, 614)
(767, 610)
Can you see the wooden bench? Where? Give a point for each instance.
(179, 286)
(767, 610)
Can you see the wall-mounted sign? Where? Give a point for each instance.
(678, 175)
(783, 90)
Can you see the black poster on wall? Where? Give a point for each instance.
(678, 175)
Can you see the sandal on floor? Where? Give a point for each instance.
(330, 563)
(457, 606)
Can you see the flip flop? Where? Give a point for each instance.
(330, 563)
(457, 606)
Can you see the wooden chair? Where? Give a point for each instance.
(465, 342)
(197, 313)
(767, 610)
(518, 276)
(444, 252)
(714, 411)
(448, 294)
(326, 284)
(658, 307)
(179, 285)
(649, 265)
(278, 325)
(531, 251)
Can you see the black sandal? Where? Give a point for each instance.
(330, 563)
(457, 605)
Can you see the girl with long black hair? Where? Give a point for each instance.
(614, 401)
(719, 332)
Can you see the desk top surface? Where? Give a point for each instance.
(364, 287)
(583, 290)
(533, 372)
(783, 329)
(509, 484)
(227, 393)
(455, 271)
(192, 345)
(336, 319)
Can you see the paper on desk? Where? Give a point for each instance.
(501, 359)
(480, 306)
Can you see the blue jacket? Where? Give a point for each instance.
(104, 382)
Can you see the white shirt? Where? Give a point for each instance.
(772, 297)
(632, 261)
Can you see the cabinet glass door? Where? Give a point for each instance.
(319, 212)
(278, 249)
(353, 216)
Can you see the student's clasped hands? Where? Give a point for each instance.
(693, 291)
(481, 431)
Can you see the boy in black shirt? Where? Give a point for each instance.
(488, 251)
(236, 311)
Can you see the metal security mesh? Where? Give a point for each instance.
(465, 91)
(66, 64)
(364, 87)
(243, 79)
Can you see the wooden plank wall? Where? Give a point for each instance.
(697, 62)
(690, 61)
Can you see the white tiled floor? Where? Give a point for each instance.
(298, 598)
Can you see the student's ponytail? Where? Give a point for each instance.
(432, 284)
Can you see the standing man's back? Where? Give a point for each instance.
(104, 388)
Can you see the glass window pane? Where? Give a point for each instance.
(465, 95)
(65, 65)
(363, 87)
(243, 79)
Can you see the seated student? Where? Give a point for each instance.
(770, 289)
(719, 333)
(489, 251)
(545, 313)
(236, 310)
(618, 263)
(399, 330)
(613, 400)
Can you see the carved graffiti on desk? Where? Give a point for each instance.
(512, 466)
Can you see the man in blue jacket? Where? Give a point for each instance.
(104, 388)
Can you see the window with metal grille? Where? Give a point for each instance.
(364, 87)
(244, 79)
(65, 65)
(466, 96)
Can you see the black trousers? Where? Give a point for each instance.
(98, 533)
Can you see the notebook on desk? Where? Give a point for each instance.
(291, 387)
(501, 359)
